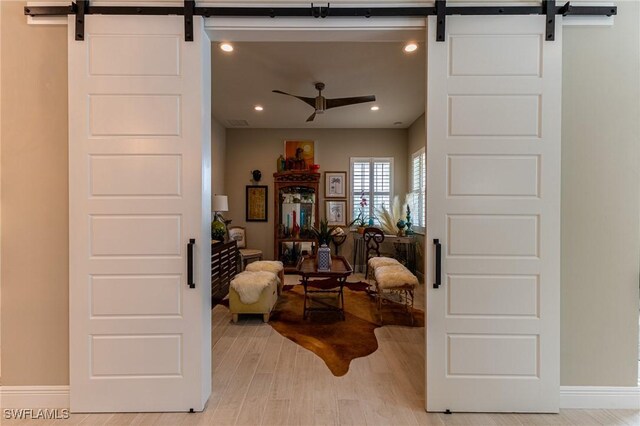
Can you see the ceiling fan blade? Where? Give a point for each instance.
(338, 102)
(309, 101)
(311, 117)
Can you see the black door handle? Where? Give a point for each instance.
(190, 263)
(436, 242)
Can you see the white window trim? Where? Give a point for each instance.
(371, 160)
(421, 151)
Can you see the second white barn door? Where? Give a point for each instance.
(493, 203)
(139, 167)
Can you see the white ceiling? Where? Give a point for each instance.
(246, 77)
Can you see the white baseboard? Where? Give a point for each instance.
(595, 397)
(34, 397)
(588, 397)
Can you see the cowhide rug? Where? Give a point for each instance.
(336, 341)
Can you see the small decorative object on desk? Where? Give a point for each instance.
(409, 231)
(324, 258)
(401, 225)
(218, 230)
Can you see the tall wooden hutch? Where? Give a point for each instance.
(296, 212)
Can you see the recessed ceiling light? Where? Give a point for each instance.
(227, 47)
(375, 108)
(410, 47)
(397, 123)
(258, 108)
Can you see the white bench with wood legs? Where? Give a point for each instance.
(392, 278)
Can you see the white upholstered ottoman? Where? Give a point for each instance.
(253, 293)
(274, 266)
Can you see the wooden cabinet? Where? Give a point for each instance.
(224, 266)
(296, 212)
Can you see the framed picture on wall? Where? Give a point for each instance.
(336, 212)
(299, 155)
(257, 205)
(335, 184)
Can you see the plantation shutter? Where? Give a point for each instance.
(371, 179)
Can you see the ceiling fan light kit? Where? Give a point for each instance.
(320, 104)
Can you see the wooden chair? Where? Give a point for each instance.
(373, 239)
(239, 234)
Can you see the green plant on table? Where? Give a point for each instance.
(324, 232)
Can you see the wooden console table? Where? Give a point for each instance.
(333, 285)
(403, 246)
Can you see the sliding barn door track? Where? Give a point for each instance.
(547, 8)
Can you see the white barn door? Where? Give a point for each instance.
(139, 190)
(493, 202)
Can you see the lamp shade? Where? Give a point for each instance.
(220, 203)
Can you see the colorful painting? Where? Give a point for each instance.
(299, 153)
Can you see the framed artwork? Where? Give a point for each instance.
(335, 184)
(299, 153)
(257, 206)
(336, 212)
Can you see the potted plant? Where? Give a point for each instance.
(324, 232)
(361, 221)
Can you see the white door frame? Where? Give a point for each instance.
(342, 30)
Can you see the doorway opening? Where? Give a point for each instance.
(293, 369)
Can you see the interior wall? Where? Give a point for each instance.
(601, 202)
(35, 232)
(250, 149)
(218, 158)
(416, 139)
(600, 207)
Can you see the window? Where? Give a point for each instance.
(371, 178)
(418, 190)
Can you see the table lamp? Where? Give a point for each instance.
(221, 204)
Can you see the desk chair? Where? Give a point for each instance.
(239, 234)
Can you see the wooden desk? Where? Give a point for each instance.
(405, 248)
(332, 285)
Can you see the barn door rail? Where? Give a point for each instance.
(441, 10)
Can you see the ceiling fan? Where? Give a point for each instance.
(321, 104)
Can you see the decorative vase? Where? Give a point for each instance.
(324, 258)
(361, 230)
(401, 225)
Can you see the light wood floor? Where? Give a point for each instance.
(262, 378)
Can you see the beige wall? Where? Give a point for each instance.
(601, 202)
(249, 149)
(34, 245)
(417, 137)
(600, 208)
(218, 158)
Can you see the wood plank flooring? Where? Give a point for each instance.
(262, 378)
